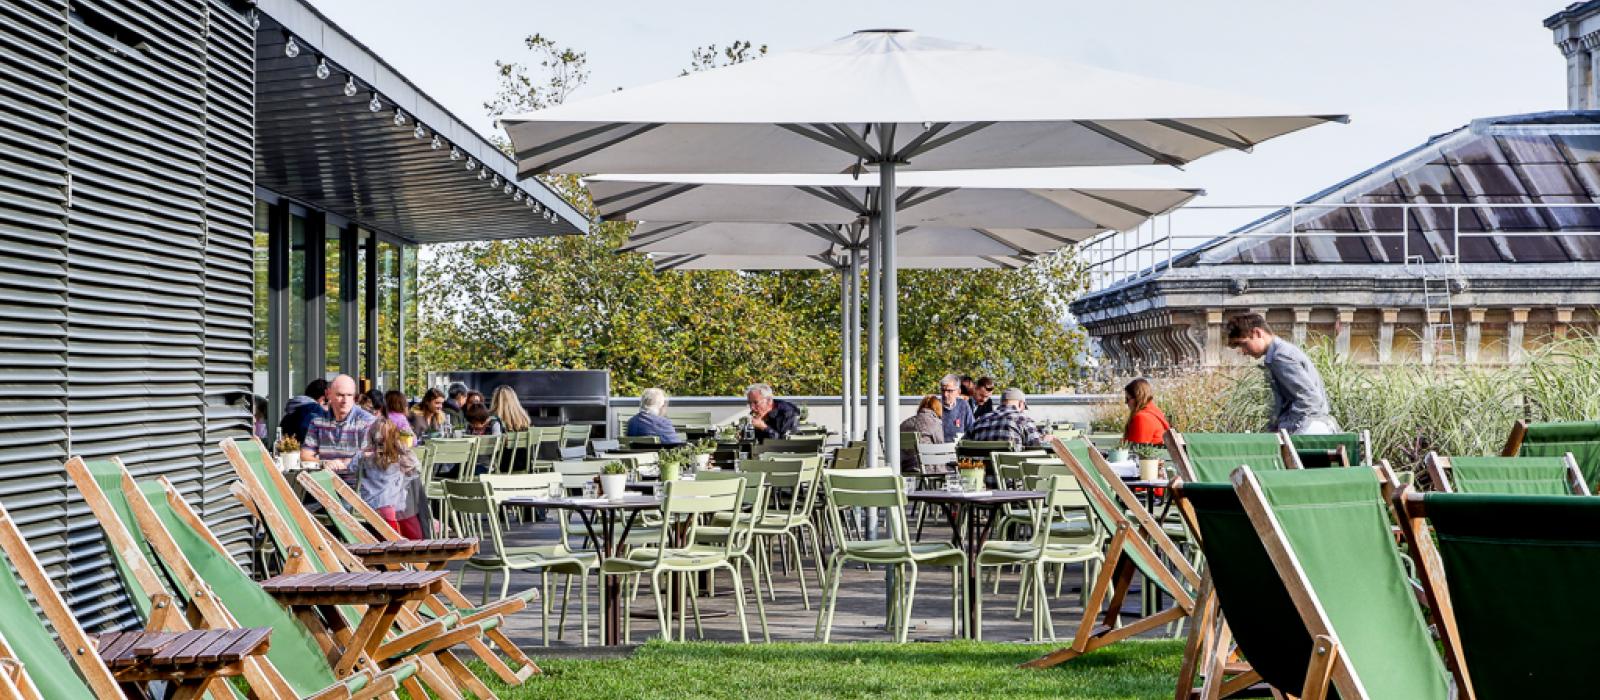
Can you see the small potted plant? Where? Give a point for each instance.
(288, 450)
(971, 473)
(702, 453)
(1149, 461)
(614, 480)
(1119, 453)
(672, 462)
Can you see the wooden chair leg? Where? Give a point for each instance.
(1324, 656)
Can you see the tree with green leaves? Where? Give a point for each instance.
(573, 302)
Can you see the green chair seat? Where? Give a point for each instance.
(1529, 476)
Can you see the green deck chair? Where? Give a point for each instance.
(874, 488)
(1581, 439)
(1528, 476)
(1329, 535)
(1317, 451)
(1138, 544)
(1211, 457)
(103, 485)
(1511, 577)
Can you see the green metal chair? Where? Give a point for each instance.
(517, 452)
(849, 458)
(788, 518)
(685, 504)
(488, 457)
(1529, 476)
(575, 435)
(871, 488)
(477, 514)
(460, 455)
(638, 441)
(754, 508)
(1040, 550)
(798, 445)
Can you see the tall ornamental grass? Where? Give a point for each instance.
(1409, 408)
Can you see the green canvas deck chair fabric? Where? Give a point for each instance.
(1328, 533)
(1528, 476)
(294, 665)
(1317, 451)
(1512, 578)
(1211, 457)
(355, 522)
(1137, 545)
(1582, 439)
(307, 548)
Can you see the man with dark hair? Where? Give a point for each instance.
(301, 410)
(982, 397)
(1299, 401)
(1009, 423)
(455, 402)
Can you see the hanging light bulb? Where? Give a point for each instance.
(509, 188)
(254, 18)
(483, 174)
(419, 132)
(291, 48)
(472, 164)
(350, 86)
(516, 196)
(495, 182)
(399, 118)
(438, 143)
(323, 71)
(455, 153)
(375, 105)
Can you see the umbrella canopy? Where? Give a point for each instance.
(698, 261)
(1064, 199)
(895, 95)
(765, 240)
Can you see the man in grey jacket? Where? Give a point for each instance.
(1299, 401)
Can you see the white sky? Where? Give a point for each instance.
(1402, 69)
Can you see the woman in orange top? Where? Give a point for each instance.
(1147, 425)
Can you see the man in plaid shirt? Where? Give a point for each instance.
(1008, 423)
(337, 438)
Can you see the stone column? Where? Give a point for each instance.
(1430, 342)
(1563, 322)
(1214, 349)
(1591, 51)
(1514, 330)
(1474, 335)
(1341, 339)
(1578, 71)
(1386, 334)
(1302, 316)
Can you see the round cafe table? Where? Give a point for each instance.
(970, 507)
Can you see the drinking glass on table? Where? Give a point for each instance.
(911, 483)
(589, 489)
(952, 483)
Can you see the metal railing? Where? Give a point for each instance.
(1115, 258)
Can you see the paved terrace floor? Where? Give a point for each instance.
(860, 616)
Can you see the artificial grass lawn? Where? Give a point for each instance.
(955, 669)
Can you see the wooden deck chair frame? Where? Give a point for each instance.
(1116, 573)
(264, 680)
(1439, 471)
(1329, 667)
(1519, 432)
(356, 517)
(1178, 449)
(1430, 571)
(411, 630)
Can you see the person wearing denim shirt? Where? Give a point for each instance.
(957, 417)
(1299, 400)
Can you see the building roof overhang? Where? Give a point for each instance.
(317, 145)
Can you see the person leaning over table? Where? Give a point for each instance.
(1299, 400)
(927, 423)
(770, 417)
(957, 411)
(338, 438)
(982, 397)
(1146, 425)
(651, 420)
(1009, 423)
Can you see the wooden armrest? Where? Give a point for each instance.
(353, 588)
(154, 656)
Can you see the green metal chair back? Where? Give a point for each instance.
(516, 452)
(690, 502)
(1320, 450)
(799, 445)
(1214, 456)
(1336, 524)
(1008, 465)
(1062, 494)
(849, 458)
(796, 477)
(638, 441)
(462, 453)
(981, 449)
(1507, 559)
(1581, 438)
(866, 489)
(576, 473)
(1528, 476)
(575, 435)
(472, 504)
(490, 448)
(753, 501)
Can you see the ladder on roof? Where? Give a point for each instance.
(1438, 309)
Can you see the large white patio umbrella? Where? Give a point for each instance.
(893, 99)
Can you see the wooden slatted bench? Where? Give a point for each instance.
(431, 554)
(384, 593)
(189, 658)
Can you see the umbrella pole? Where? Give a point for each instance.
(891, 314)
(845, 415)
(855, 343)
(873, 271)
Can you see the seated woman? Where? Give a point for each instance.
(428, 419)
(1147, 425)
(651, 418)
(928, 424)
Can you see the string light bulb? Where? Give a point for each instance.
(472, 164)
(455, 153)
(419, 132)
(254, 18)
(375, 105)
(323, 71)
(438, 143)
(350, 88)
(291, 48)
(509, 188)
(399, 118)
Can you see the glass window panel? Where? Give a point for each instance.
(262, 292)
(332, 319)
(388, 315)
(413, 379)
(297, 304)
(365, 372)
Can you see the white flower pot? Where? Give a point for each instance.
(702, 461)
(615, 486)
(1149, 469)
(289, 461)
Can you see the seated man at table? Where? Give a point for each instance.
(338, 437)
(770, 417)
(1008, 422)
(652, 420)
